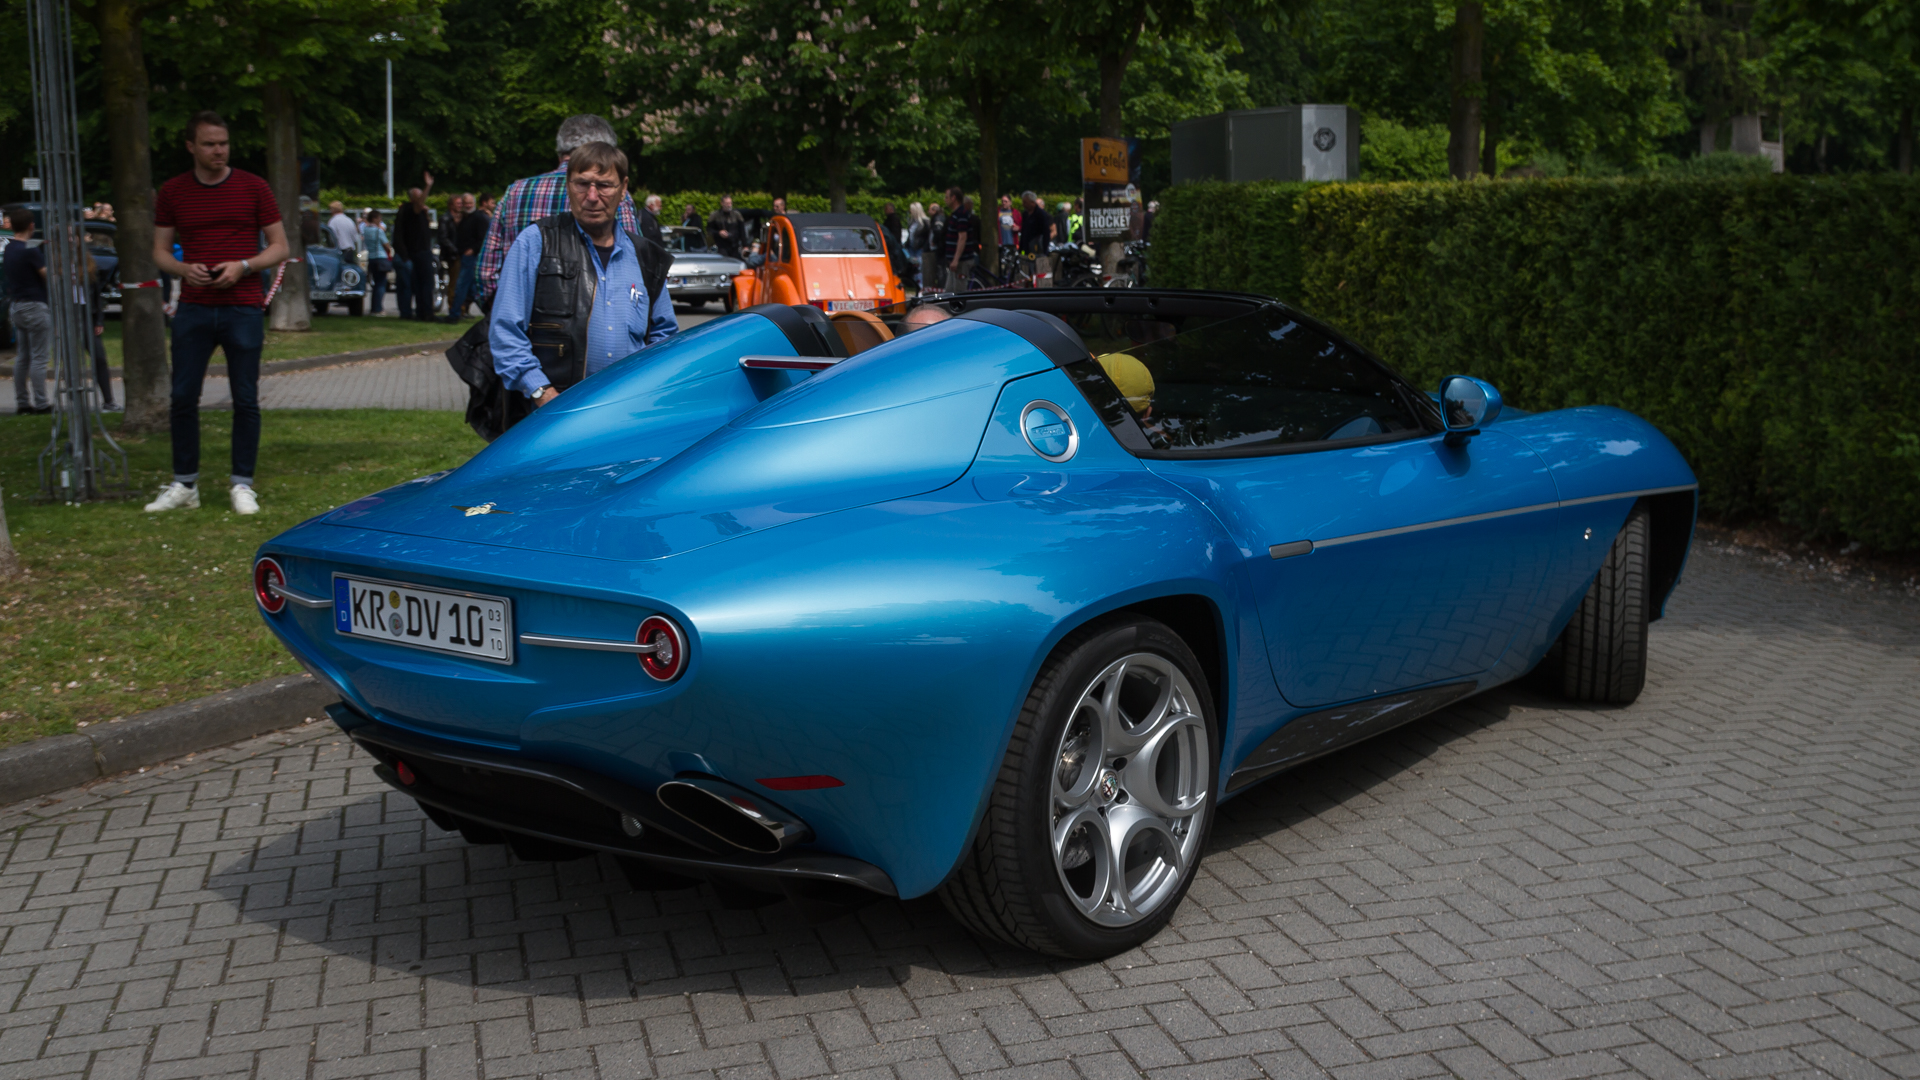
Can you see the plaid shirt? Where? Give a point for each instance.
(526, 202)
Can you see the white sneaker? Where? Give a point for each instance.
(244, 500)
(175, 496)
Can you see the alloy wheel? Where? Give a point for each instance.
(1129, 790)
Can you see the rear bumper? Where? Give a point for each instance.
(582, 808)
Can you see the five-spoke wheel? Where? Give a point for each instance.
(1102, 806)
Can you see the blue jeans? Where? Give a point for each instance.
(239, 332)
(469, 285)
(377, 271)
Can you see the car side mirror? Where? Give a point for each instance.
(1466, 404)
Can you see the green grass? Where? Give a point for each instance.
(330, 334)
(122, 610)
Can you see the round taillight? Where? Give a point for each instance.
(267, 576)
(669, 656)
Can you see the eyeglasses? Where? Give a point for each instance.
(602, 188)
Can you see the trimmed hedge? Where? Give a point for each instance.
(1770, 326)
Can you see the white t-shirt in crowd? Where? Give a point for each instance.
(346, 235)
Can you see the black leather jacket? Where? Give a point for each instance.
(563, 295)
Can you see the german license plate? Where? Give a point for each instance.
(852, 305)
(464, 624)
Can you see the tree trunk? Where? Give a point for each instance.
(1113, 72)
(1463, 139)
(986, 117)
(143, 324)
(1490, 145)
(291, 308)
(834, 158)
(1906, 141)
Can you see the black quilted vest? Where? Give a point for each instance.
(564, 292)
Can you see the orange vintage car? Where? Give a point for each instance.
(836, 262)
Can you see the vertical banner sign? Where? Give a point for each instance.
(1110, 184)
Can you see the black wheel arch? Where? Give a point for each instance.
(1670, 533)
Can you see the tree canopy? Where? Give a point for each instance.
(840, 96)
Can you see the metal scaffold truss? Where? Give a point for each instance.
(82, 462)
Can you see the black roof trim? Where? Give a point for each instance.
(832, 219)
(806, 327)
(1042, 330)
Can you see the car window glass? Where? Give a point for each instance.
(1260, 381)
(839, 240)
(777, 237)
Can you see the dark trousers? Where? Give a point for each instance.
(239, 332)
(377, 271)
(468, 287)
(420, 271)
(102, 375)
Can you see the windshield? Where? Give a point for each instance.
(681, 241)
(1252, 383)
(839, 240)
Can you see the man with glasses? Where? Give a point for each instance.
(599, 290)
(527, 201)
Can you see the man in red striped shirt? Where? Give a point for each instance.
(219, 214)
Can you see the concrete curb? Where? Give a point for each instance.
(148, 738)
(280, 367)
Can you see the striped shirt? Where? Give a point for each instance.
(217, 223)
(526, 202)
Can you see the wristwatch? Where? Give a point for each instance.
(246, 267)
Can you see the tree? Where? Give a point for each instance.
(277, 54)
(1568, 76)
(778, 83)
(1876, 43)
(1468, 90)
(982, 53)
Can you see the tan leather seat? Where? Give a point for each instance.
(860, 330)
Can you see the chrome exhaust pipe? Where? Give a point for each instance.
(732, 815)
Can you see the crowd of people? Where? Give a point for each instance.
(218, 233)
(417, 250)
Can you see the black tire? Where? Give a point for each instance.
(1083, 280)
(1011, 886)
(319, 307)
(1602, 654)
(357, 306)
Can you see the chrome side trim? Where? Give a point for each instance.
(788, 363)
(1288, 551)
(1470, 518)
(1630, 494)
(300, 598)
(595, 644)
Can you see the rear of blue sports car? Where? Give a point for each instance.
(593, 637)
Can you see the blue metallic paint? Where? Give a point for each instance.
(872, 565)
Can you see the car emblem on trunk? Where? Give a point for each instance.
(483, 508)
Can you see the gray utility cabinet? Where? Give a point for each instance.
(1288, 142)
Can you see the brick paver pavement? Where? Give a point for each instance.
(1719, 881)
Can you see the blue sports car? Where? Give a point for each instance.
(997, 596)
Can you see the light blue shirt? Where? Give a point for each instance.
(625, 319)
(374, 239)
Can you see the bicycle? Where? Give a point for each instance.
(1016, 272)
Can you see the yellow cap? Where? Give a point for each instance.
(1131, 377)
